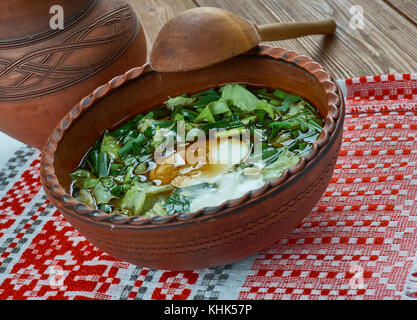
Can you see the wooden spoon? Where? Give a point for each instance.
(204, 36)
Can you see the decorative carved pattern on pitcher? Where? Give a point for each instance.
(67, 57)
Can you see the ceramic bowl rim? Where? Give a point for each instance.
(59, 195)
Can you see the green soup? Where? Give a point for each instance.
(196, 151)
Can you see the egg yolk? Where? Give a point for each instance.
(199, 162)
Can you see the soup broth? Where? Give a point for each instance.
(196, 151)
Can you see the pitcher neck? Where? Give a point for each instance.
(23, 18)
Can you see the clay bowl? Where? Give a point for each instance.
(216, 235)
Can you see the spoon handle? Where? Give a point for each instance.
(289, 30)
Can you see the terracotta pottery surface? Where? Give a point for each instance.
(211, 236)
(45, 72)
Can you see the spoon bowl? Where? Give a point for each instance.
(201, 37)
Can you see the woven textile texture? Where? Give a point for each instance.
(358, 243)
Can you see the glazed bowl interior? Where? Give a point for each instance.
(152, 89)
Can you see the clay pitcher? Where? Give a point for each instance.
(45, 71)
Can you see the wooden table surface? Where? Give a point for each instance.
(386, 44)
